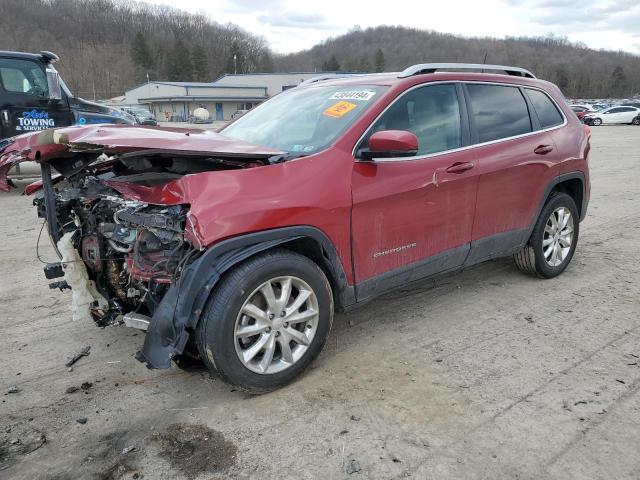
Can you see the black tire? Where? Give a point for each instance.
(530, 259)
(215, 332)
(596, 122)
(636, 121)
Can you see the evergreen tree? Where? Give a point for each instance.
(562, 80)
(265, 64)
(200, 64)
(378, 60)
(331, 65)
(179, 66)
(363, 64)
(141, 55)
(618, 82)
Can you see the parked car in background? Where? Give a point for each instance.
(613, 115)
(238, 246)
(238, 114)
(141, 115)
(631, 104)
(580, 110)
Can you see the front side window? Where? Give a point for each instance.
(548, 113)
(302, 121)
(23, 76)
(431, 112)
(498, 111)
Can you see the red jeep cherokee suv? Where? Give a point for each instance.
(237, 247)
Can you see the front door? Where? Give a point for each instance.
(413, 216)
(24, 99)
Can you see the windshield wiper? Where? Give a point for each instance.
(283, 157)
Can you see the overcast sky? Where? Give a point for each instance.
(292, 25)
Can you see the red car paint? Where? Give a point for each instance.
(379, 216)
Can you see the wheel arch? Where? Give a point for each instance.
(180, 310)
(573, 184)
(574, 187)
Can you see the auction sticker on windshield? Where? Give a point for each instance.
(339, 109)
(353, 95)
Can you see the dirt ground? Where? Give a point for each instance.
(484, 374)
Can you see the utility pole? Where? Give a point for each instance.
(235, 64)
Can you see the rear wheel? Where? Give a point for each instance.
(636, 121)
(553, 240)
(266, 321)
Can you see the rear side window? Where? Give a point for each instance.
(498, 111)
(548, 113)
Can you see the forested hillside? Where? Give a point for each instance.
(578, 70)
(106, 47)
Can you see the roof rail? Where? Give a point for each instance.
(328, 76)
(423, 68)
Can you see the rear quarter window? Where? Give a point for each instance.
(498, 111)
(548, 113)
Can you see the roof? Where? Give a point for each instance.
(195, 98)
(38, 57)
(195, 85)
(264, 73)
(205, 85)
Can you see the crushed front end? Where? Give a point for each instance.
(132, 251)
(116, 203)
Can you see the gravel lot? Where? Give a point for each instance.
(484, 374)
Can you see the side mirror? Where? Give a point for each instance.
(390, 144)
(53, 82)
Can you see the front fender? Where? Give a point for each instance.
(182, 306)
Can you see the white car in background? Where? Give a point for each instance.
(614, 115)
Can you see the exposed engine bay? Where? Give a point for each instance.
(132, 250)
(132, 213)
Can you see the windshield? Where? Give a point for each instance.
(304, 120)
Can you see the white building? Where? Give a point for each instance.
(176, 101)
(274, 82)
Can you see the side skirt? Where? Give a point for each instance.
(457, 259)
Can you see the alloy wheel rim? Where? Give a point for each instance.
(558, 236)
(276, 325)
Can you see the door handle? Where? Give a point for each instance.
(543, 149)
(460, 167)
(5, 117)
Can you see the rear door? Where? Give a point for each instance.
(627, 114)
(413, 216)
(24, 99)
(514, 155)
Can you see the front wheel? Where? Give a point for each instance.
(266, 321)
(636, 121)
(553, 240)
(596, 122)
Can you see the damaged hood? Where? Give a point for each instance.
(117, 139)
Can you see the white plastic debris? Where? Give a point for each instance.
(84, 292)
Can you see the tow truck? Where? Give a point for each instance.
(34, 97)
